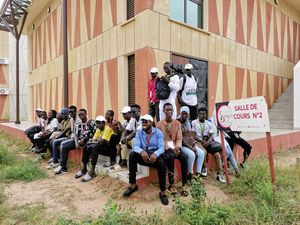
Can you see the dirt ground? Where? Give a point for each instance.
(64, 195)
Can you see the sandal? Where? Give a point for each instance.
(173, 190)
(184, 192)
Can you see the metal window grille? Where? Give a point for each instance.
(131, 79)
(130, 9)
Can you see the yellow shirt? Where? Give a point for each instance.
(105, 134)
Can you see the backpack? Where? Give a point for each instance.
(162, 90)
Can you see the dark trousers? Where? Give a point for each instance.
(154, 110)
(96, 149)
(136, 158)
(241, 142)
(40, 142)
(193, 111)
(31, 131)
(169, 157)
(114, 140)
(65, 147)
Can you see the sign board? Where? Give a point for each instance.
(3, 61)
(249, 115)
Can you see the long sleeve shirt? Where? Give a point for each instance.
(153, 143)
(152, 90)
(171, 132)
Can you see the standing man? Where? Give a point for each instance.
(171, 130)
(173, 83)
(153, 101)
(148, 149)
(187, 95)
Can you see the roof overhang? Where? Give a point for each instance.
(295, 4)
(13, 14)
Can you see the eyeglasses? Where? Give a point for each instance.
(132, 112)
(71, 111)
(80, 114)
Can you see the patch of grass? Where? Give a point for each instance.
(13, 166)
(25, 170)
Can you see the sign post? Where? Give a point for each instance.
(249, 115)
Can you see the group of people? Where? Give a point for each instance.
(188, 137)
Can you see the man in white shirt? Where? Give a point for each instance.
(188, 91)
(173, 83)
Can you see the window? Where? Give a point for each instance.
(188, 11)
(130, 9)
(131, 80)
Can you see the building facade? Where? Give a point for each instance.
(7, 78)
(239, 48)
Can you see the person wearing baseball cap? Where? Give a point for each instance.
(187, 95)
(31, 131)
(98, 145)
(152, 100)
(147, 150)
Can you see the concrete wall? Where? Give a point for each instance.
(251, 47)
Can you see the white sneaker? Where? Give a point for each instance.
(107, 164)
(50, 160)
(220, 177)
(56, 170)
(79, 174)
(204, 172)
(53, 165)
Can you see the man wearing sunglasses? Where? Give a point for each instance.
(148, 149)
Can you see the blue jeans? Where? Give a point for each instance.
(55, 149)
(230, 156)
(191, 156)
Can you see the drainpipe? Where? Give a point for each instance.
(65, 53)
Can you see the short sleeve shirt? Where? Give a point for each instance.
(104, 134)
(202, 129)
(134, 125)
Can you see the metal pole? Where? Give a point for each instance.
(65, 52)
(224, 158)
(17, 83)
(270, 154)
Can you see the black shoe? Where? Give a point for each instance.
(163, 198)
(130, 190)
(123, 163)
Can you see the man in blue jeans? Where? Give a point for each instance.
(67, 144)
(147, 150)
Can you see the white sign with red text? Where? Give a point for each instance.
(250, 115)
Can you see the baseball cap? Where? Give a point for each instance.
(39, 110)
(100, 119)
(126, 109)
(64, 111)
(147, 117)
(154, 70)
(188, 66)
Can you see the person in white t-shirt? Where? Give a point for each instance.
(173, 83)
(188, 91)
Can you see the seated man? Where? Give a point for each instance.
(147, 150)
(128, 135)
(41, 137)
(87, 130)
(204, 134)
(171, 130)
(117, 127)
(31, 131)
(68, 144)
(98, 145)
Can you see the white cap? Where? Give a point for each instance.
(39, 109)
(147, 117)
(100, 119)
(126, 109)
(188, 66)
(154, 70)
